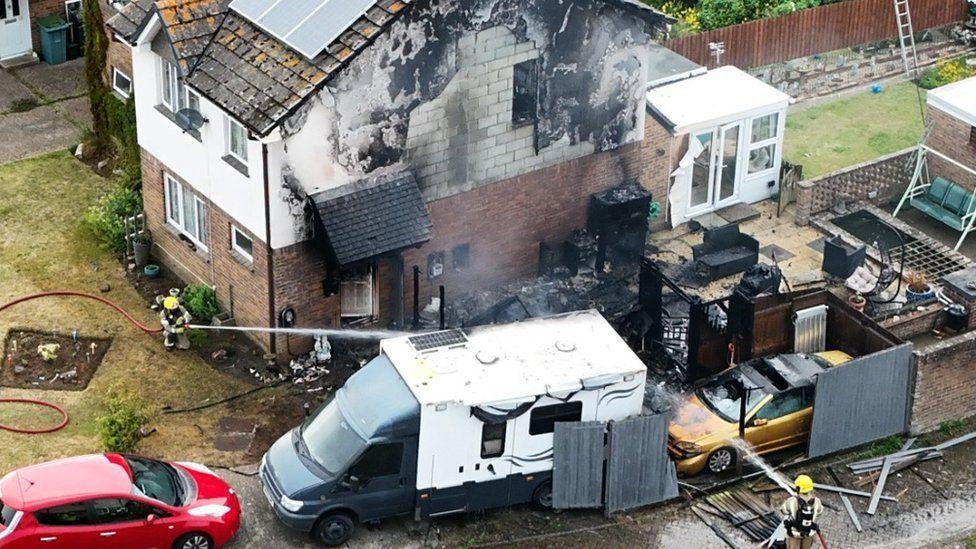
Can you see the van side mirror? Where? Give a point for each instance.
(150, 520)
(758, 422)
(351, 483)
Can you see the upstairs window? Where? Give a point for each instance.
(526, 93)
(173, 93)
(236, 140)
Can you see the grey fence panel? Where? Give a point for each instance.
(577, 465)
(639, 471)
(862, 400)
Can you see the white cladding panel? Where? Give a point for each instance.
(450, 440)
(199, 163)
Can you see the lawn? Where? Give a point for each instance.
(44, 247)
(853, 129)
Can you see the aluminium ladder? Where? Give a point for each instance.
(906, 37)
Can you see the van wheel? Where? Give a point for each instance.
(721, 459)
(195, 540)
(542, 497)
(334, 529)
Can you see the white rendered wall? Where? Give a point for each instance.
(198, 163)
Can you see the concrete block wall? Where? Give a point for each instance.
(884, 178)
(945, 382)
(466, 137)
(951, 137)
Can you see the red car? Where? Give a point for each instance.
(116, 501)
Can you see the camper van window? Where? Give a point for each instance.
(544, 418)
(330, 440)
(493, 439)
(380, 460)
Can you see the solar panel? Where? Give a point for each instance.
(307, 26)
(434, 340)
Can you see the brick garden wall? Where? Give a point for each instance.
(887, 176)
(945, 382)
(503, 223)
(39, 9)
(951, 137)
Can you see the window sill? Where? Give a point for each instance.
(187, 243)
(195, 134)
(236, 164)
(123, 97)
(240, 258)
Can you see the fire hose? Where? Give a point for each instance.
(55, 407)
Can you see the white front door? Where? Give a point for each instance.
(15, 35)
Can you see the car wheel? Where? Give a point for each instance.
(721, 460)
(195, 540)
(334, 529)
(542, 497)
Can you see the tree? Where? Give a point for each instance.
(96, 45)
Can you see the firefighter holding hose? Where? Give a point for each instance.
(174, 317)
(800, 514)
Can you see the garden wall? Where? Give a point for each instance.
(807, 32)
(884, 178)
(945, 382)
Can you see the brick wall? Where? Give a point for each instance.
(945, 384)
(951, 137)
(887, 176)
(39, 9)
(504, 222)
(241, 285)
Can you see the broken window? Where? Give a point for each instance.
(544, 418)
(356, 293)
(435, 264)
(493, 439)
(185, 211)
(460, 256)
(526, 93)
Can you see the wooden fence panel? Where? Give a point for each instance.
(816, 30)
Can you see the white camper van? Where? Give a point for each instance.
(450, 422)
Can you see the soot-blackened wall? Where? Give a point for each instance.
(434, 93)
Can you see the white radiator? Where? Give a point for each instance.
(810, 330)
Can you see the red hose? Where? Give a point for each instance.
(130, 318)
(64, 416)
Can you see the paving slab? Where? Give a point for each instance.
(76, 110)
(11, 91)
(38, 131)
(778, 253)
(54, 82)
(738, 213)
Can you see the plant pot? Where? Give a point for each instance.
(140, 251)
(150, 271)
(857, 304)
(912, 296)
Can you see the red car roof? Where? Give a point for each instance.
(65, 481)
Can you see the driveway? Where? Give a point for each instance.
(260, 527)
(43, 108)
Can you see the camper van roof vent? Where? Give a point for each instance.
(426, 342)
(565, 346)
(486, 357)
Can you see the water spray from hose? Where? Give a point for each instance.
(333, 333)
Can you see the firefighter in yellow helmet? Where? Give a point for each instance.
(174, 317)
(800, 514)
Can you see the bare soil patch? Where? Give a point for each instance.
(73, 362)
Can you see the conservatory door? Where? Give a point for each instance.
(727, 168)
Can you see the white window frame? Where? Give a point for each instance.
(229, 125)
(774, 140)
(356, 296)
(180, 95)
(176, 218)
(123, 92)
(234, 232)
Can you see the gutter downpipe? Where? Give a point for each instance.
(270, 259)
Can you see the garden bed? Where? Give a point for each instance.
(73, 360)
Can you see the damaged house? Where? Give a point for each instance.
(307, 161)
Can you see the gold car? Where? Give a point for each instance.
(779, 409)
